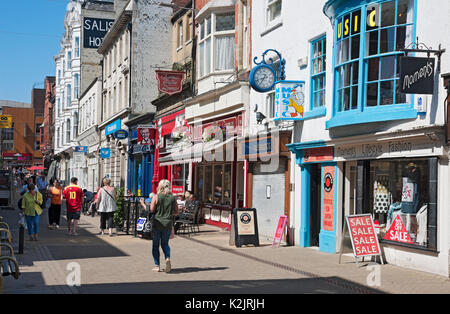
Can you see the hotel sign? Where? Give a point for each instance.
(94, 30)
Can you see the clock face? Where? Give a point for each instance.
(263, 78)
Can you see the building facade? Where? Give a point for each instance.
(77, 65)
(47, 127)
(364, 144)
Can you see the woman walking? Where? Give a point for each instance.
(164, 206)
(106, 206)
(31, 205)
(54, 212)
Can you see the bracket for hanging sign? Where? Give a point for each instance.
(423, 48)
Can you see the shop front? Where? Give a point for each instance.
(397, 180)
(268, 178)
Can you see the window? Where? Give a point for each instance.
(69, 60)
(216, 45)
(57, 138)
(37, 145)
(69, 95)
(189, 28)
(368, 43)
(77, 47)
(75, 125)
(76, 85)
(318, 68)
(180, 34)
(67, 131)
(273, 10)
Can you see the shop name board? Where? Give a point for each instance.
(417, 75)
(5, 121)
(94, 30)
(386, 149)
(113, 127)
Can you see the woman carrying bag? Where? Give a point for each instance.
(164, 206)
(31, 205)
(106, 206)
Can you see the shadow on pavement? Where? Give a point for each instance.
(195, 269)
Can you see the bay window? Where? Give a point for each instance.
(368, 45)
(217, 43)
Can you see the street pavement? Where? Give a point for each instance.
(203, 263)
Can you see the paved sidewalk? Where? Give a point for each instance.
(202, 264)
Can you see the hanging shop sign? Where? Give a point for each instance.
(81, 149)
(246, 226)
(417, 75)
(94, 30)
(328, 198)
(363, 236)
(113, 127)
(105, 153)
(120, 134)
(145, 135)
(5, 121)
(290, 100)
(282, 223)
(170, 82)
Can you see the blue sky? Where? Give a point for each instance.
(30, 33)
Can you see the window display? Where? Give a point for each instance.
(399, 199)
(217, 179)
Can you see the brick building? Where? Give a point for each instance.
(47, 127)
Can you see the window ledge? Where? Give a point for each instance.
(272, 26)
(397, 112)
(312, 114)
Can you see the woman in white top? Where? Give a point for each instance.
(106, 204)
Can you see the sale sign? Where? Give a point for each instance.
(397, 232)
(363, 236)
(280, 230)
(328, 198)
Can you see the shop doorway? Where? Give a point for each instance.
(315, 209)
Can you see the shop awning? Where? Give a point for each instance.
(193, 153)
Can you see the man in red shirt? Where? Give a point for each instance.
(74, 200)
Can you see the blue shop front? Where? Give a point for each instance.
(319, 194)
(140, 163)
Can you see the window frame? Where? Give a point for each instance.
(363, 113)
(313, 76)
(213, 35)
(269, 4)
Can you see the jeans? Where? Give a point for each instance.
(161, 237)
(32, 224)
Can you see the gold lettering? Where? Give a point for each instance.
(339, 30)
(356, 24)
(346, 29)
(371, 18)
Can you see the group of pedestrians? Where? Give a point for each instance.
(43, 194)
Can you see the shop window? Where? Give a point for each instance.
(179, 175)
(402, 197)
(368, 43)
(215, 181)
(318, 68)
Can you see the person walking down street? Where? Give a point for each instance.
(74, 201)
(164, 206)
(31, 205)
(54, 212)
(42, 185)
(106, 206)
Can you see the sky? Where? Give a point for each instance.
(30, 35)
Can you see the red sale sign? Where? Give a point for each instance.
(363, 236)
(280, 230)
(397, 232)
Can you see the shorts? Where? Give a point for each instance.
(73, 215)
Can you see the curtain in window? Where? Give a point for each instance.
(224, 53)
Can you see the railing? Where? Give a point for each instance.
(132, 210)
(9, 264)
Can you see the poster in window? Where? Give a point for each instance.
(328, 198)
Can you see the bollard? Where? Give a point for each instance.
(21, 233)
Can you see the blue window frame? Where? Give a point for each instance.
(318, 69)
(368, 41)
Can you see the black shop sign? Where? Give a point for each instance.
(416, 75)
(94, 30)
